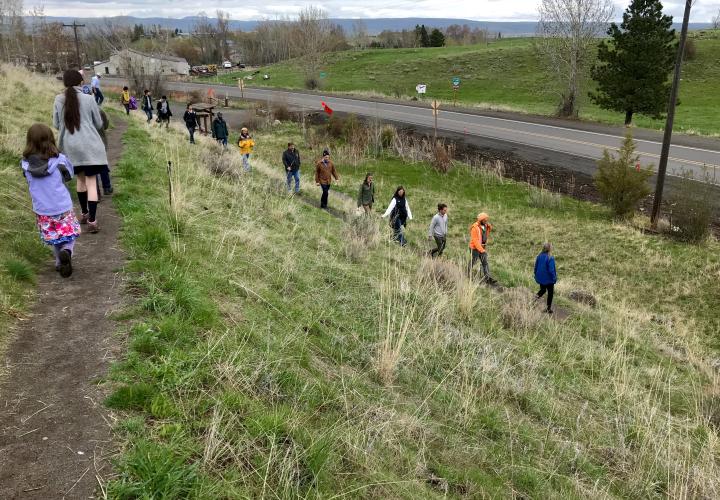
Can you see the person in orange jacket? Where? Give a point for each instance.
(479, 233)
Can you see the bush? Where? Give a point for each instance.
(195, 96)
(387, 136)
(690, 52)
(312, 83)
(280, 111)
(621, 184)
(692, 212)
(352, 128)
(336, 126)
(539, 197)
(442, 158)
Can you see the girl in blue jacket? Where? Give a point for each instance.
(546, 275)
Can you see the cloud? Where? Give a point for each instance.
(486, 10)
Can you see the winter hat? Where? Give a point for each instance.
(326, 152)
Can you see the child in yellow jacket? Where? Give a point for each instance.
(246, 145)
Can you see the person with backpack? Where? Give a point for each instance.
(220, 130)
(438, 230)
(546, 275)
(246, 145)
(147, 105)
(366, 196)
(479, 234)
(324, 173)
(78, 120)
(163, 111)
(291, 161)
(46, 171)
(125, 99)
(399, 212)
(191, 122)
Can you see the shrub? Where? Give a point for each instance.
(387, 136)
(619, 182)
(336, 126)
(312, 83)
(442, 158)
(690, 52)
(280, 111)
(195, 96)
(692, 212)
(352, 128)
(19, 270)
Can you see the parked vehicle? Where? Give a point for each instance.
(227, 65)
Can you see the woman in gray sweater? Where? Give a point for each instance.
(78, 120)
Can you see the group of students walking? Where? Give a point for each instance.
(80, 152)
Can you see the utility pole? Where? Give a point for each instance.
(665, 152)
(75, 27)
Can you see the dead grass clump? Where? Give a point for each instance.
(221, 164)
(440, 272)
(518, 310)
(281, 111)
(443, 157)
(361, 234)
(195, 96)
(466, 297)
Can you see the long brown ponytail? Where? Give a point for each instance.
(71, 79)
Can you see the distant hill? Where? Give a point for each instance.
(374, 26)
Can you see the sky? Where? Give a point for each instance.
(480, 10)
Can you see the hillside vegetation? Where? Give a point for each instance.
(276, 351)
(20, 248)
(504, 75)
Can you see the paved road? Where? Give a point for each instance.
(573, 141)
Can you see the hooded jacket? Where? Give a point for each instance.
(219, 128)
(246, 144)
(84, 146)
(545, 272)
(46, 180)
(479, 233)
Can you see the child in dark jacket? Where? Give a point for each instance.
(46, 170)
(546, 275)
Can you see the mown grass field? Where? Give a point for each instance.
(504, 75)
(21, 251)
(276, 351)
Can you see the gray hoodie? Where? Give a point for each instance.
(84, 146)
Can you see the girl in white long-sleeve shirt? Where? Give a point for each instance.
(399, 212)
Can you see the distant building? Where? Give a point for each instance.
(119, 63)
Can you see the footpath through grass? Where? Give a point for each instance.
(271, 355)
(505, 75)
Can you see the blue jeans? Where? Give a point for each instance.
(399, 231)
(223, 141)
(293, 174)
(324, 197)
(192, 134)
(148, 113)
(246, 162)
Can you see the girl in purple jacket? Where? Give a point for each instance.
(47, 171)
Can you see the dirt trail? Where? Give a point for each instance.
(55, 436)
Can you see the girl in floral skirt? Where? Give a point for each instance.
(46, 171)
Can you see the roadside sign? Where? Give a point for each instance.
(323, 74)
(456, 81)
(421, 88)
(241, 86)
(435, 107)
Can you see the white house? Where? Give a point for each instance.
(119, 63)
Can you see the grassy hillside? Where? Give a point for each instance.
(503, 75)
(276, 351)
(20, 248)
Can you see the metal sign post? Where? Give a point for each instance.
(241, 86)
(456, 87)
(435, 111)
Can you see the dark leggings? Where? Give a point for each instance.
(550, 289)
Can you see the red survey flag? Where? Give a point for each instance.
(327, 108)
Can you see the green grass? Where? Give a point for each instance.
(267, 360)
(503, 75)
(21, 252)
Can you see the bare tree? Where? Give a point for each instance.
(314, 28)
(360, 34)
(205, 35)
(11, 28)
(223, 29)
(716, 21)
(568, 31)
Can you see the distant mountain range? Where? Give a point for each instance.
(374, 26)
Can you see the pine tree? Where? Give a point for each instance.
(633, 70)
(424, 38)
(437, 39)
